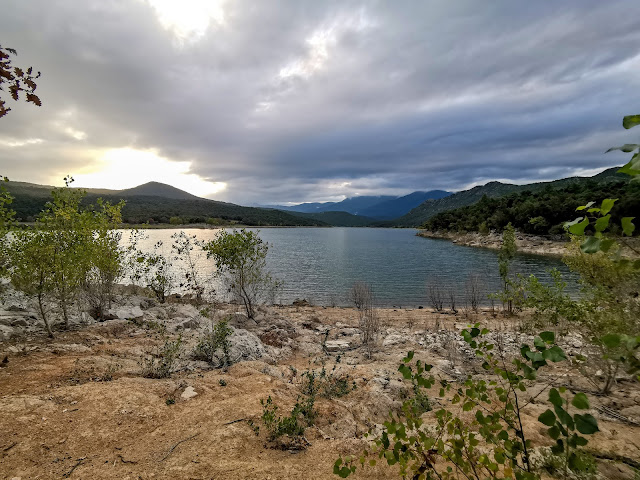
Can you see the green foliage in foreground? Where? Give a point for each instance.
(479, 433)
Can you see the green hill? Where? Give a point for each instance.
(542, 212)
(165, 202)
(428, 209)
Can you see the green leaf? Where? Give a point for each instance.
(554, 354)
(409, 357)
(548, 337)
(554, 431)
(577, 226)
(630, 121)
(555, 398)
(580, 401)
(632, 167)
(627, 226)
(626, 148)
(612, 340)
(602, 223)
(586, 424)
(547, 418)
(590, 245)
(607, 205)
(606, 244)
(582, 207)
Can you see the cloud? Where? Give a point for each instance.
(315, 101)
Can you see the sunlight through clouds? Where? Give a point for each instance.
(121, 168)
(188, 20)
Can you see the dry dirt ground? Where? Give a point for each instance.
(77, 406)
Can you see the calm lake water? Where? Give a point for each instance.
(321, 264)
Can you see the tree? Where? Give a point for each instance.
(68, 231)
(32, 268)
(7, 221)
(16, 80)
(240, 257)
(505, 257)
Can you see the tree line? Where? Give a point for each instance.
(541, 213)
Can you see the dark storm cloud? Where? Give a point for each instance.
(306, 101)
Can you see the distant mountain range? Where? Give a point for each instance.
(381, 207)
(158, 203)
(429, 208)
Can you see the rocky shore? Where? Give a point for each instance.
(79, 406)
(534, 244)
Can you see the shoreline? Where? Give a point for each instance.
(530, 244)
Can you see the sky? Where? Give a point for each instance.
(280, 102)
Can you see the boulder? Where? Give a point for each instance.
(394, 339)
(126, 313)
(7, 332)
(188, 393)
(337, 345)
(245, 346)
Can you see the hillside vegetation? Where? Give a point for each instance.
(430, 208)
(538, 212)
(157, 203)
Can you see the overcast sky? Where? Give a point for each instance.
(291, 101)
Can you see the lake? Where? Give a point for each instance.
(321, 264)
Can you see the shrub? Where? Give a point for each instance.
(161, 363)
(490, 440)
(215, 341)
(240, 257)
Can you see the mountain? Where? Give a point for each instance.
(397, 207)
(156, 189)
(337, 219)
(157, 203)
(543, 212)
(380, 207)
(353, 205)
(428, 209)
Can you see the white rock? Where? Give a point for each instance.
(188, 393)
(127, 313)
(337, 345)
(394, 339)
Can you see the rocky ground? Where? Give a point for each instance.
(77, 406)
(552, 246)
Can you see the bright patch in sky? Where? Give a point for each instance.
(188, 19)
(121, 168)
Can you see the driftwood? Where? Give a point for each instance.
(79, 462)
(175, 445)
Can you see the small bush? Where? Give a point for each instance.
(213, 343)
(161, 363)
(327, 384)
(291, 425)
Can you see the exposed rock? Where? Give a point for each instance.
(245, 346)
(394, 339)
(183, 311)
(192, 324)
(7, 332)
(158, 312)
(188, 393)
(126, 313)
(337, 345)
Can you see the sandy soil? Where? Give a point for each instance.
(77, 407)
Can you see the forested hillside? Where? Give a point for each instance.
(538, 212)
(430, 208)
(29, 201)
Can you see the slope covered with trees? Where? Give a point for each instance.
(538, 212)
(165, 204)
(430, 208)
